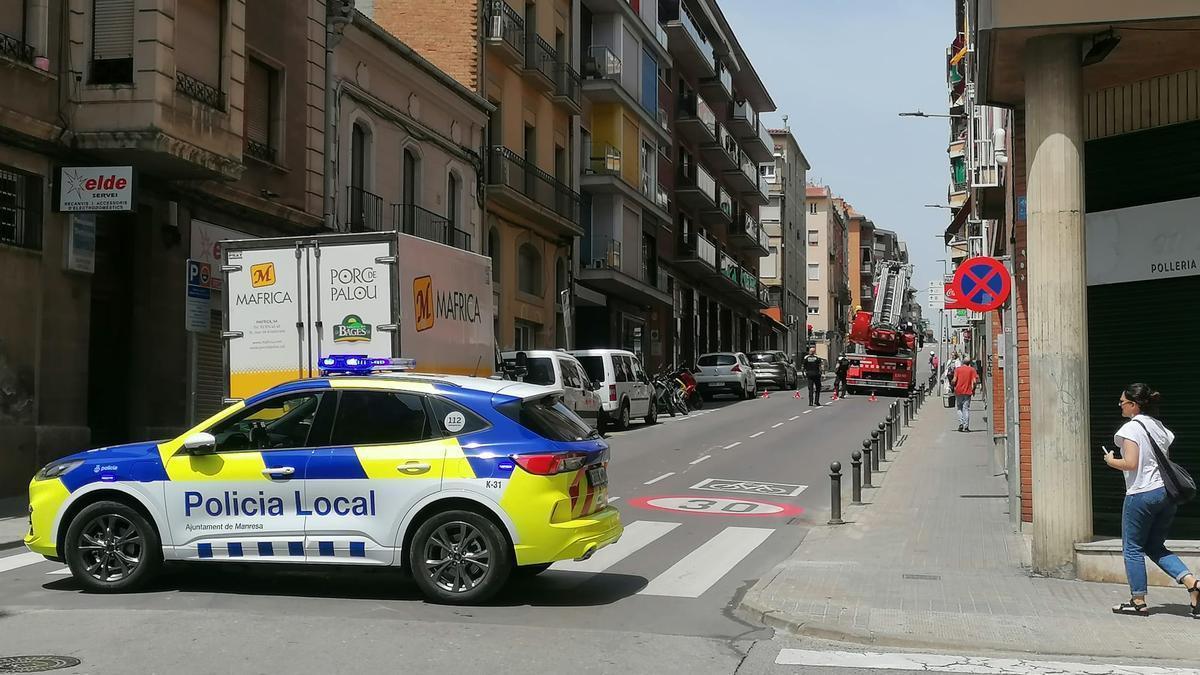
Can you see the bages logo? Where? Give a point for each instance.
(352, 329)
(262, 274)
(423, 302)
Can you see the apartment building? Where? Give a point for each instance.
(861, 248)
(719, 143)
(783, 271)
(827, 274)
(520, 58)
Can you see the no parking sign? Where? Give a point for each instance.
(982, 284)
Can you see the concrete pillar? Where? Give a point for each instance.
(1057, 311)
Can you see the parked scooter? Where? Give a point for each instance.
(662, 395)
(689, 392)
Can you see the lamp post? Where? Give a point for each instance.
(920, 113)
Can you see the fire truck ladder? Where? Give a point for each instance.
(893, 280)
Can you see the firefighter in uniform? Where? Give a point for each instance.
(812, 370)
(841, 367)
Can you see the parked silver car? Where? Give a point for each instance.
(725, 373)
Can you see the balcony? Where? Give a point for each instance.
(15, 49)
(504, 32)
(524, 188)
(364, 211)
(695, 119)
(419, 222)
(719, 87)
(566, 88)
(720, 213)
(743, 179)
(690, 49)
(743, 120)
(731, 272)
(541, 63)
(696, 254)
(722, 153)
(602, 175)
(759, 144)
(605, 269)
(602, 72)
(601, 63)
(695, 187)
(750, 236)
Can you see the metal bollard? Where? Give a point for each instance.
(875, 451)
(907, 414)
(835, 493)
(896, 422)
(867, 464)
(882, 442)
(856, 478)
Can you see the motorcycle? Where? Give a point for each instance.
(689, 392)
(664, 395)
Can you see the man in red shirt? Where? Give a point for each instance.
(965, 380)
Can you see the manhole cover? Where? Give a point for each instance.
(35, 664)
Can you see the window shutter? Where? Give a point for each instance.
(112, 30)
(258, 103)
(198, 52)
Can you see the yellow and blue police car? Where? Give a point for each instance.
(461, 480)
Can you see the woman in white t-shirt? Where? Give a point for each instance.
(1148, 511)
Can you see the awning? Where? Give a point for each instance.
(959, 218)
(775, 314)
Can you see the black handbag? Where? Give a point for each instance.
(1181, 487)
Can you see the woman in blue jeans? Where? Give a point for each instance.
(1148, 512)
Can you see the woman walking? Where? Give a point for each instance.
(1148, 511)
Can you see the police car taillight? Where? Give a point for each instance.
(361, 364)
(551, 464)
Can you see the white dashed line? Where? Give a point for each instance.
(732, 445)
(697, 461)
(793, 418)
(757, 434)
(612, 499)
(777, 425)
(805, 412)
(655, 480)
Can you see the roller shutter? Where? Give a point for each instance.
(210, 386)
(112, 30)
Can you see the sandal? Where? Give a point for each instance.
(1195, 605)
(1132, 608)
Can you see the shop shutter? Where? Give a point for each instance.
(198, 52)
(258, 103)
(112, 29)
(1143, 332)
(210, 368)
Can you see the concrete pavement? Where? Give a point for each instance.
(932, 562)
(14, 522)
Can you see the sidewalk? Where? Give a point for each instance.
(932, 562)
(14, 522)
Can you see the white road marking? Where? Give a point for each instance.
(946, 663)
(732, 445)
(805, 412)
(637, 536)
(64, 571)
(703, 567)
(19, 560)
(612, 499)
(750, 487)
(777, 425)
(655, 480)
(793, 418)
(757, 434)
(697, 461)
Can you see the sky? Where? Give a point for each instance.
(841, 70)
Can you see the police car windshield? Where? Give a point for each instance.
(548, 418)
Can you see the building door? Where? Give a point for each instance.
(111, 330)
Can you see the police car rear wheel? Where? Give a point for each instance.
(111, 548)
(459, 557)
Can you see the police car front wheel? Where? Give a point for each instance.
(459, 557)
(110, 548)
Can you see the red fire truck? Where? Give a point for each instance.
(884, 340)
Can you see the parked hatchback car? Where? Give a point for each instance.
(725, 373)
(773, 369)
(561, 370)
(625, 390)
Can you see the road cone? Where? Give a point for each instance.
(872, 399)
(766, 393)
(834, 395)
(796, 395)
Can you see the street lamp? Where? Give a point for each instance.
(919, 113)
(937, 206)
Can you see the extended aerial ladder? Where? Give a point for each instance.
(884, 339)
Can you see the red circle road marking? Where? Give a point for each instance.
(713, 506)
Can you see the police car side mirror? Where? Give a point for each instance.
(200, 443)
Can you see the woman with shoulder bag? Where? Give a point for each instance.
(1149, 509)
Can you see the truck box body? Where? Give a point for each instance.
(291, 300)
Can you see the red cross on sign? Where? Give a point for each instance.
(982, 284)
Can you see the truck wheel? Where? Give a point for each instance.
(459, 558)
(111, 548)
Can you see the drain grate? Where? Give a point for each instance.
(922, 577)
(35, 664)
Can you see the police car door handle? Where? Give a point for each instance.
(278, 471)
(413, 468)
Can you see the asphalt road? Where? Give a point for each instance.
(711, 502)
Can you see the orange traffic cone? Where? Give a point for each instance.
(796, 395)
(872, 399)
(766, 393)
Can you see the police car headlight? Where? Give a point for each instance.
(56, 469)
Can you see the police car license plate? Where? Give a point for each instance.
(597, 476)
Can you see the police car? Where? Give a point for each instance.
(461, 480)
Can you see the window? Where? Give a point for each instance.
(814, 306)
(812, 208)
(814, 272)
(360, 145)
(539, 370)
(453, 199)
(650, 83)
(283, 422)
(570, 376)
(412, 167)
(529, 270)
(262, 102)
(379, 418)
(199, 25)
(548, 418)
(717, 360)
(14, 42)
(636, 366)
(20, 209)
(594, 365)
(524, 335)
(112, 42)
(767, 171)
(813, 237)
(769, 268)
(623, 368)
(493, 251)
(444, 413)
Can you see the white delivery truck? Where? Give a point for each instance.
(291, 300)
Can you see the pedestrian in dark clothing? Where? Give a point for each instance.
(841, 368)
(812, 370)
(1149, 510)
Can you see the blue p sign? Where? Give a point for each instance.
(198, 273)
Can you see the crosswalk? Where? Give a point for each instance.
(689, 576)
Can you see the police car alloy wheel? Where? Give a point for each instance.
(110, 547)
(459, 557)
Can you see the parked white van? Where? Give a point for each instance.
(625, 391)
(559, 369)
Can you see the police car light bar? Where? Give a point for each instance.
(361, 364)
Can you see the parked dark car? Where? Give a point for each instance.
(773, 369)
